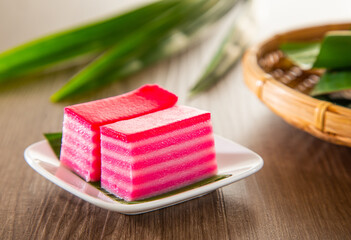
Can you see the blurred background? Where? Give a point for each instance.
(23, 20)
(274, 16)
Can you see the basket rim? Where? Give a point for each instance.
(258, 80)
(252, 52)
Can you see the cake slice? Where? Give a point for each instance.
(80, 149)
(157, 152)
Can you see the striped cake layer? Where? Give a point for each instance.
(142, 162)
(158, 187)
(174, 153)
(159, 172)
(80, 149)
(131, 152)
(168, 159)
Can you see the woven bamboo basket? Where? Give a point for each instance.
(284, 87)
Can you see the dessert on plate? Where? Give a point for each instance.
(139, 144)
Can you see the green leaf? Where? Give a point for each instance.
(302, 54)
(333, 81)
(127, 43)
(137, 44)
(96, 73)
(55, 48)
(54, 140)
(116, 62)
(335, 52)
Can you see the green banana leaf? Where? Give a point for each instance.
(333, 81)
(335, 51)
(333, 54)
(303, 54)
(54, 139)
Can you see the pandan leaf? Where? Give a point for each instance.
(98, 72)
(332, 81)
(95, 37)
(144, 47)
(302, 54)
(131, 33)
(335, 51)
(54, 140)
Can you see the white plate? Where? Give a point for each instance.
(232, 158)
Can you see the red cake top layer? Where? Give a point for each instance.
(147, 99)
(156, 123)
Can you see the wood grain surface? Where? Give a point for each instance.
(302, 192)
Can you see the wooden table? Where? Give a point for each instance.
(302, 192)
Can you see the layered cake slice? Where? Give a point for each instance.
(157, 152)
(80, 149)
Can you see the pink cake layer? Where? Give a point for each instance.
(143, 161)
(80, 149)
(140, 128)
(156, 145)
(180, 153)
(163, 151)
(156, 173)
(160, 187)
(146, 99)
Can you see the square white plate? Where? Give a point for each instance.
(232, 158)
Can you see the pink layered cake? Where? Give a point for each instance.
(156, 153)
(80, 149)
